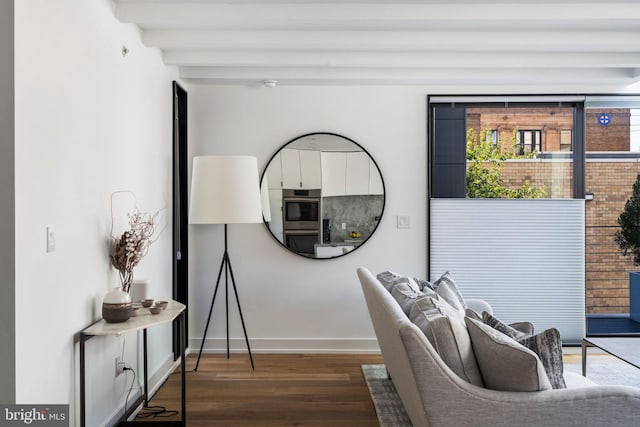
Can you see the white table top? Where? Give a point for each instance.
(143, 320)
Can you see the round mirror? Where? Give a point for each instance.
(325, 194)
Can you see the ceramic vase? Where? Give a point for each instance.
(116, 306)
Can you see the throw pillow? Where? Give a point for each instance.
(448, 335)
(473, 314)
(432, 303)
(446, 287)
(389, 279)
(505, 364)
(405, 295)
(496, 324)
(424, 284)
(548, 346)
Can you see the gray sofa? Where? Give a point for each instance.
(433, 395)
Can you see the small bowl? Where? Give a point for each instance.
(146, 302)
(155, 309)
(136, 311)
(162, 304)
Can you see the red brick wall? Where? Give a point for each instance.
(607, 270)
(550, 121)
(614, 137)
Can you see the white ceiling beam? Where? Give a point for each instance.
(293, 75)
(400, 59)
(493, 41)
(377, 1)
(599, 16)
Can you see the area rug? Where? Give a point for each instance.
(607, 370)
(385, 398)
(603, 370)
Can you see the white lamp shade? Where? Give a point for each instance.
(225, 190)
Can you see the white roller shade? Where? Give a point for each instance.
(525, 257)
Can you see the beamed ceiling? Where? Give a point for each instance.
(428, 42)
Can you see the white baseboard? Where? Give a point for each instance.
(162, 374)
(288, 345)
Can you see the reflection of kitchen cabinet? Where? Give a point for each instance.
(357, 173)
(334, 167)
(310, 174)
(349, 174)
(274, 172)
(300, 169)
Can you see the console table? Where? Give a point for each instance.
(142, 321)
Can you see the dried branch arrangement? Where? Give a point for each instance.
(129, 249)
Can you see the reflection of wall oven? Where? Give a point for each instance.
(301, 209)
(301, 220)
(302, 241)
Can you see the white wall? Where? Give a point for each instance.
(292, 303)
(88, 122)
(7, 219)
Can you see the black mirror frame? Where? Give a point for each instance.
(384, 192)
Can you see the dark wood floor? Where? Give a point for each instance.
(284, 390)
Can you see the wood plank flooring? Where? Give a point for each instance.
(284, 390)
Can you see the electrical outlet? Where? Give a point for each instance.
(119, 366)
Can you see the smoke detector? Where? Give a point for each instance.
(269, 83)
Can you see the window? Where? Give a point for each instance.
(528, 141)
(566, 138)
(491, 147)
(503, 151)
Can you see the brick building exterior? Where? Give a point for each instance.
(613, 137)
(555, 126)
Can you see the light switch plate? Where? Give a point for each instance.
(51, 239)
(404, 221)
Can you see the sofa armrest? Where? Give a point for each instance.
(449, 400)
(479, 305)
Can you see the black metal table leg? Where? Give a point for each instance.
(183, 347)
(146, 386)
(82, 382)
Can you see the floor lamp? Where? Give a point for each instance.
(225, 190)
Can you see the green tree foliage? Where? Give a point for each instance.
(485, 162)
(628, 237)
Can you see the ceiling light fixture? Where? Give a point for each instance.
(269, 83)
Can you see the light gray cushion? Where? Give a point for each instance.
(473, 314)
(389, 279)
(422, 283)
(496, 324)
(504, 363)
(432, 303)
(405, 295)
(446, 287)
(448, 334)
(548, 346)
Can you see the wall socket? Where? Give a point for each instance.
(119, 366)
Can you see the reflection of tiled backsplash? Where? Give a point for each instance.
(358, 212)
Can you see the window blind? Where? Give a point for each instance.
(525, 257)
